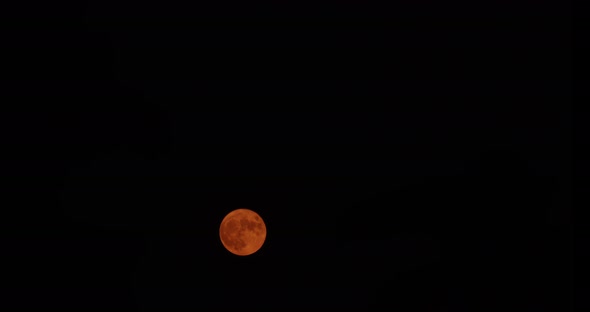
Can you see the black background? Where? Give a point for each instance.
(413, 156)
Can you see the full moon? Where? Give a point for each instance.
(242, 232)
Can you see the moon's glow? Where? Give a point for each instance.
(242, 232)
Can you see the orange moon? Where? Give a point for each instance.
(242, 232)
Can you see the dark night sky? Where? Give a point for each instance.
(413, 157)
